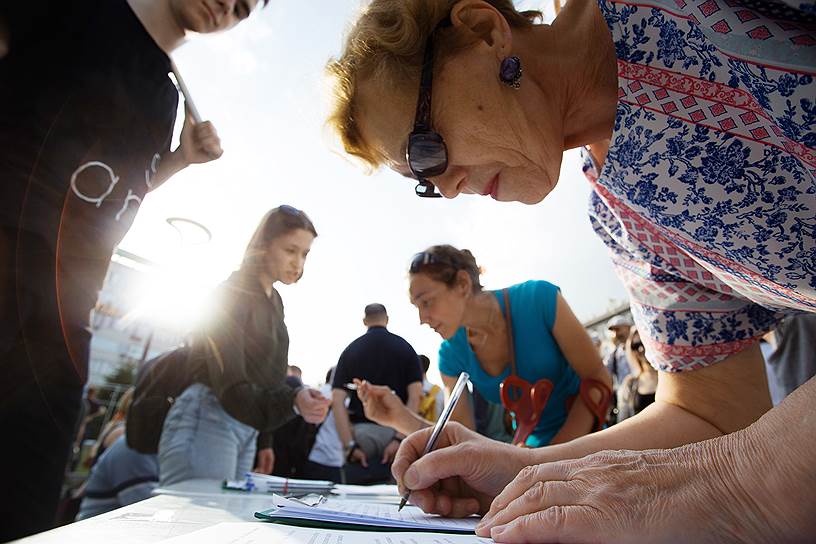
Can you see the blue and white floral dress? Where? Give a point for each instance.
(707, 197)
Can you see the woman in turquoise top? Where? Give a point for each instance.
(533, 306)
(548, 343)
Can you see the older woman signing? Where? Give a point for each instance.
(698, 125)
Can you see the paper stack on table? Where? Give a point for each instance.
(368, 493)
(277, 484)
(359, 515)
(260, 533)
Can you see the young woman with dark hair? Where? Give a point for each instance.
(238, 362)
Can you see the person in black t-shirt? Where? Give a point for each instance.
(383, 358)
(86, 119)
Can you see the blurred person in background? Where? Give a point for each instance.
(616, 361)
(637, 390)
(791, 358)
(327, 456)
(382, 357)
(114, 428)
(86, 122)
(433, 396)
(238, 364)
(120, 477)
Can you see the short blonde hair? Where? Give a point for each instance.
(387, 41)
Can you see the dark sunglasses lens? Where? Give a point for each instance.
(417, 262)
(427, 154)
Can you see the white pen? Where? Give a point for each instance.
(440, 424)
(188, 99)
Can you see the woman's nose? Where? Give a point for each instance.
(450, 184)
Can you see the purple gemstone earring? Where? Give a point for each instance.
(510, 72)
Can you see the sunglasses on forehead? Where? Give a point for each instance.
(425, 258)
(425, 152)
(289, 210)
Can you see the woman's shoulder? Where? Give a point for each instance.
(534, 290)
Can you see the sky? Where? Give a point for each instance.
(263, 87)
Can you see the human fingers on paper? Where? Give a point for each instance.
(452, 480)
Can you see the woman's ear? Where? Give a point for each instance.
(480, 21)
(464, 285)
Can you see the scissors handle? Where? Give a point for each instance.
(600, 408)
(526, 402)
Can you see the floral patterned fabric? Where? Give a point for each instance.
(707, 197)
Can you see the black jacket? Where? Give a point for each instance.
(241, 353)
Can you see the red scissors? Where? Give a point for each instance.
(526, 403)
(600, 409)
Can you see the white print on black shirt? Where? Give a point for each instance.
(149, 173)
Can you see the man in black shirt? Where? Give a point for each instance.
(86, 119)
(381, 358)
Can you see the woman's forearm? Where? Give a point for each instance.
(660, 425)
(580, 419)
(776, 464)
(409, 422)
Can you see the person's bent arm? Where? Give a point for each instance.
(689, 407)
(576, 345)
(414, 396)
(463, 411)
(199, 144)
(341, 417)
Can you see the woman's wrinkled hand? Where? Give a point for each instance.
(461, 475)
(687, 494)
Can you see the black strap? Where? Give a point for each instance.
(508, 323)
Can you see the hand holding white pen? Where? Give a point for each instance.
(461, 383)
(199, 140)
(463, 473)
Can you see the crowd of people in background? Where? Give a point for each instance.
(697, 134)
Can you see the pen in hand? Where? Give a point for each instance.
(440, 424)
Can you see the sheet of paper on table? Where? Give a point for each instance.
(263, 533)
(350, 514)
(353, 490)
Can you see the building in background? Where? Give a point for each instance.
(124, 331)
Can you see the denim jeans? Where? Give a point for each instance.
(200, 440)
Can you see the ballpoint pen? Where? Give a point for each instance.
(188, 99)
(440, 423)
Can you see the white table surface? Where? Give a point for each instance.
(176, 510)
(179, 510)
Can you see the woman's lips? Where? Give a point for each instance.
(492, 188)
